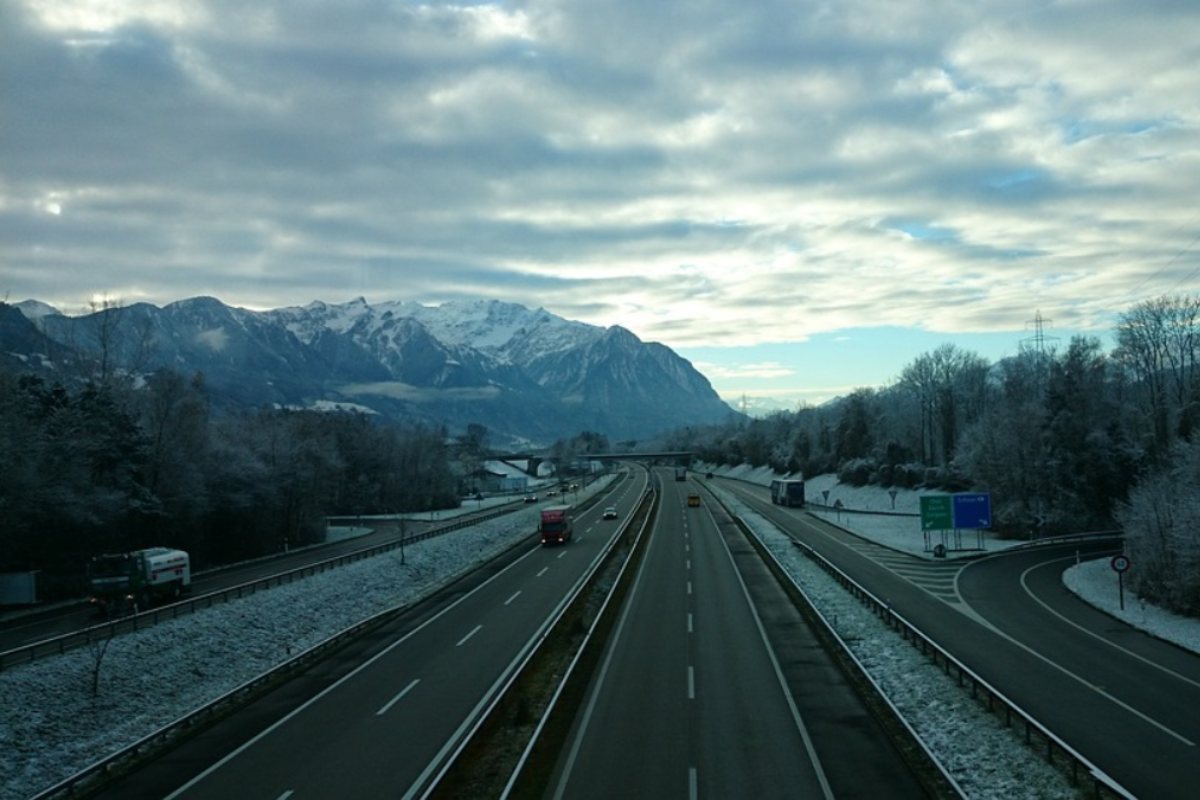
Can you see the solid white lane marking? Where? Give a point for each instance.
(691, 683)
(474, 631)
(1081, 629)
(396, 699)
(515, 595)
(543, 572)
(809, 747)
(581, 734)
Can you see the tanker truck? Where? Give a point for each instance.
(132, 581)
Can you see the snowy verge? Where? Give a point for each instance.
(987, 759)
(893, 522)
(52, 726)
(1093, 581)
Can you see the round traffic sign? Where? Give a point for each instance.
(1120, 563)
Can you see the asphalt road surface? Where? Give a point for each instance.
(691, 701)
(1123, 699)
(380, 719)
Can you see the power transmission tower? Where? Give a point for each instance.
(1039, 334)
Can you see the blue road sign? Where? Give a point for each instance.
(972, 510)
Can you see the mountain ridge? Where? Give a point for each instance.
(529, 375)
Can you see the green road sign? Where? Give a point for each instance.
(937, 512)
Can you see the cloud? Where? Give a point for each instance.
(723, 173)
(725, 372)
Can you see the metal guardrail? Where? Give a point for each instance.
(1037, 736)
(794, 590)
(80, 781)
(650, 496)
(575, 672)
(145, 619)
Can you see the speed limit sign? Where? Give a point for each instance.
(1120, 563)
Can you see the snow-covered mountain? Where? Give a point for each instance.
(528, 375)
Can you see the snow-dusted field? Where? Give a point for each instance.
(51, 726)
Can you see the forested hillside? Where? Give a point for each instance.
(1060, 436)
(122, 464)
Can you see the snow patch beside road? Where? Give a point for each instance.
(52, 727)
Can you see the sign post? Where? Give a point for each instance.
(943, 512)
(937, 514)
(1120, 565)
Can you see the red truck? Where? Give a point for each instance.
(555, 526)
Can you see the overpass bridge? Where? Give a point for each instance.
(680, 458)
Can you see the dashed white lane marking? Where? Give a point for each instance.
(474, 631)
(396, 699)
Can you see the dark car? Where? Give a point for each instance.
(531, 498)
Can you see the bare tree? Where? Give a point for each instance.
(1157, 343)
(98, 649)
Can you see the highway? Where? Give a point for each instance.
(691, 701)
(382, 717)
(24, 630)
(1123, 699)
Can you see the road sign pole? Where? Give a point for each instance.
(1120, 565)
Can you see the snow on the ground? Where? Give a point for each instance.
(1093, 581)
(1096, 582)
(51, 726)
(984, 758)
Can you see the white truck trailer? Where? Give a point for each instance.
(124, 581)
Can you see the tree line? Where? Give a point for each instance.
(116, 465)
(1059, 436)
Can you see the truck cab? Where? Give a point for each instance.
(555, 525)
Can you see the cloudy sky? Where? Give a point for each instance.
(799, 196)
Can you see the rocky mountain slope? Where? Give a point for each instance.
(529, 375)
